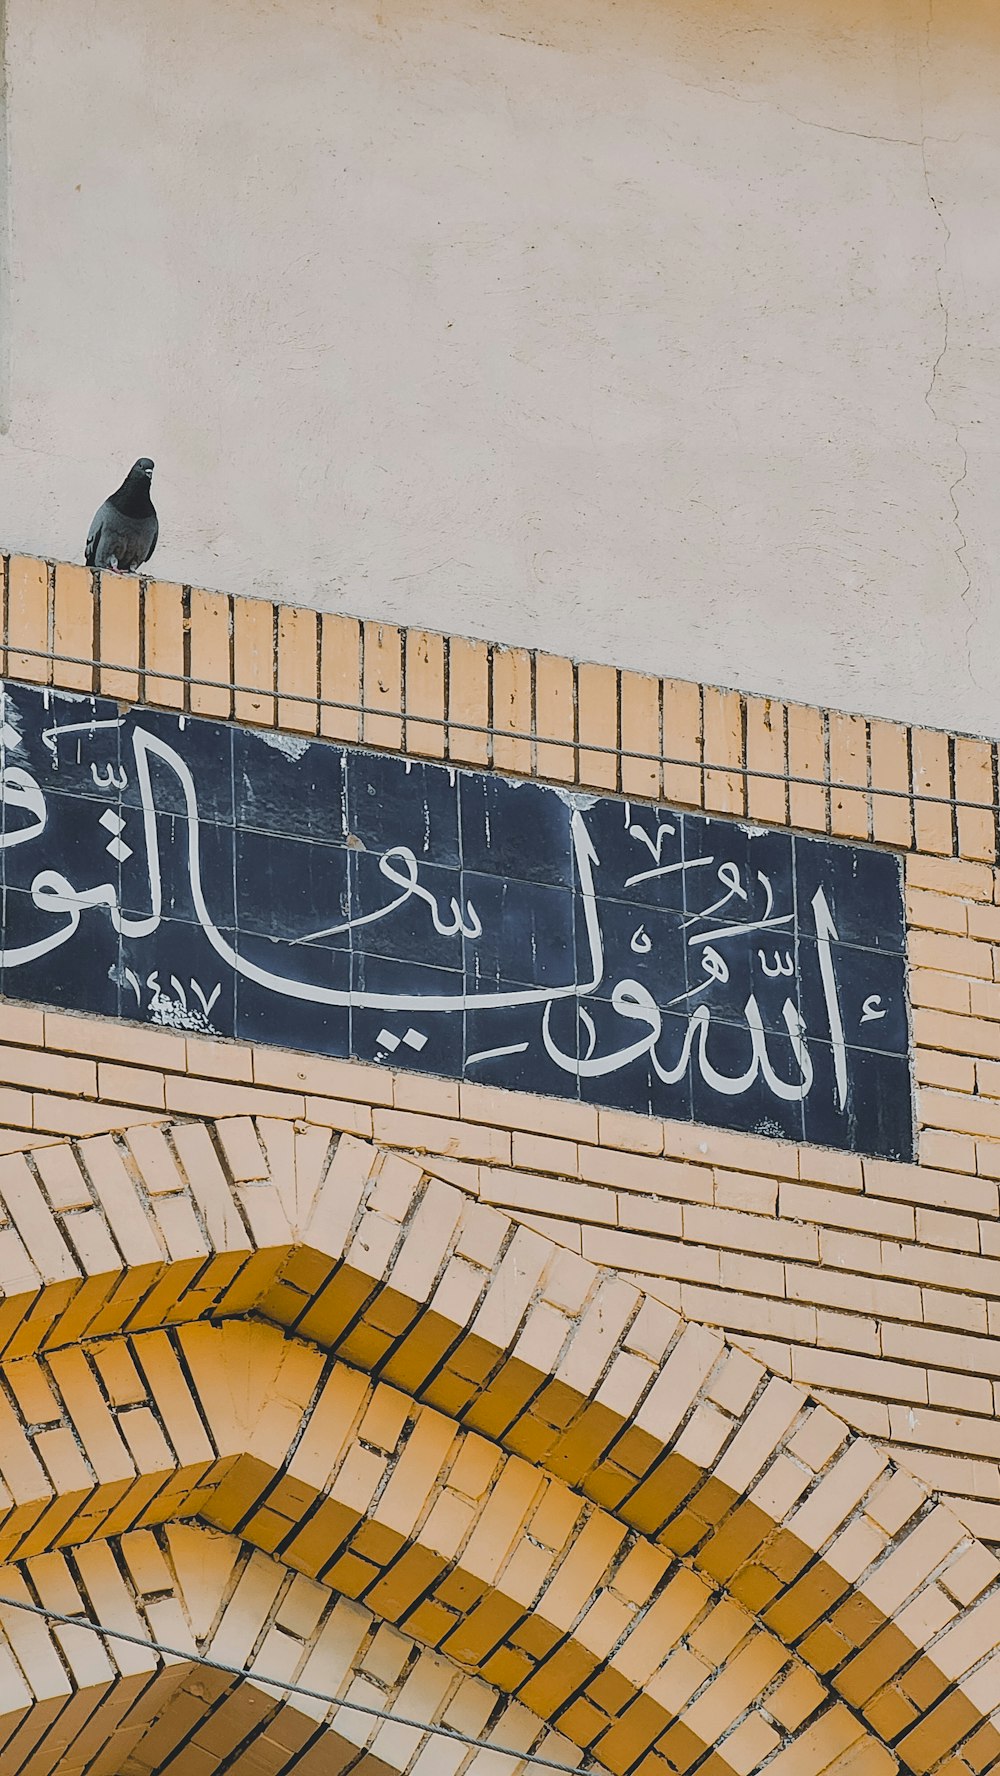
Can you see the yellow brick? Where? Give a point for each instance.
(28, 621)
(164, 644)
(807, 762)
(253, 660)
(555, 754)
(425, 693)
(210, 668)
(298, 669)
(383, 686)
(722, 717)
(512, 713)
(340, 677)
(118, 618)
(640, 735)
(597, 706)
(468, 701)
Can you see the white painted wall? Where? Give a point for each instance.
(658, 331)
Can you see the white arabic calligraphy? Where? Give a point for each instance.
(189, 1005)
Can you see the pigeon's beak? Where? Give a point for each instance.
(148, 474)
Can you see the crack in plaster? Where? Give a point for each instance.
(931, 389)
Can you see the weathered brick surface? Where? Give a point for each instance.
(472, 1431)
(871, 1284)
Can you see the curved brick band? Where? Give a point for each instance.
(823, 1550)
(72, 1701)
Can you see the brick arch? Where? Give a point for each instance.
(73, 1703)
(503, 1569)
(677, 1436)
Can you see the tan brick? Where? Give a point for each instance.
(741, 1190)
(848, 767)
(73, 627)
(682, 742)
(667, 1178)
(118, 621)
(49, 1072)
(940, 992)
(842, 1171)
(833, 1208)
(722, 721)
(435, 1134)
(640, 725)
(340, 677)
(425, 693)
(317, 1074)
(132, 1085)
(949, 1072)
(931, 778)
(210, 667)
(874, 1296)
(957, 1035)
(977, 814)
(512, 711)
(923, 1185)
(984, 923)
(513, 1110)
(468, 701)
(208, 1097)
(218, 1059)
(254, 660)
(946, 1350)
(740, 1153)
(974, 881)
(767, 795)
(298, 669)
(163, 637)
(742, 1312)
(550, 1196)
(28, 621)
(749, 1233)
(952, 955)
(850, 1374)
(940, 912)
(597, 718)
(962, 1115)
(957, 1153)
(807, 794)
(890, 772)
(937, 1228)
(555, 753)
(543, 1153)
(106, 1040)
(419, 1091)
(383, 686)
(987, 1074)
(21, 1024)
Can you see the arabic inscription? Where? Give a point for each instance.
(198, 876)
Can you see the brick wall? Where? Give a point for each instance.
(873, 1286)
(823, 1264)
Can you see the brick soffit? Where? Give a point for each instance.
(516, 1457)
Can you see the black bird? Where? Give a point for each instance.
(124, 531)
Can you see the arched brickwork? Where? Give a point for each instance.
(72, 1702)
(777, 1550)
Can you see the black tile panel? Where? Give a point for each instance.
(201, 876)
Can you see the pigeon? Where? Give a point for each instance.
(124, 531)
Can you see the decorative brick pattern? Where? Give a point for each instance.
(874, 1284)
(103, 1704)
(700, 747)
(477, 1433)
(677, 1440)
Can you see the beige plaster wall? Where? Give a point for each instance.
(660, 330)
